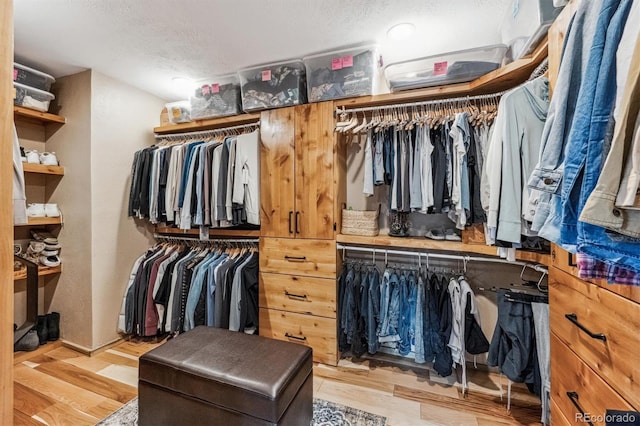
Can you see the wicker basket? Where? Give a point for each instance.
(360, 222)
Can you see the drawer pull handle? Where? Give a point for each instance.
(291, 336)
(296, 258)
(574, 319)
(296, 296)
(573, 396)
(290, 217)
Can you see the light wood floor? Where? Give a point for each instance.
(59, 386)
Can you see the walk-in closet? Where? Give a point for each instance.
(320, 213)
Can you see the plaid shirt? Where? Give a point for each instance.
(590, 268)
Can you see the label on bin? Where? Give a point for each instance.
(215, 88)
(205, 89)
(15, 74)
(440, 68)
(336, 64)
(347, 61)
(266, 75)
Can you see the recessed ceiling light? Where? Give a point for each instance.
(182, 85)
(401, 31)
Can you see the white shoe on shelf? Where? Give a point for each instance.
(49, 159)
(33, 157)
(51, 210)
(36, 210)
(49, 252)
(50, 260)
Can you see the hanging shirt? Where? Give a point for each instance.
(246, 182)
(368, 167)
(19, 197)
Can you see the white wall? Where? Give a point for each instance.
(122, 121)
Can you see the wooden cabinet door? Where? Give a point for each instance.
(277, 160)
(314, 171)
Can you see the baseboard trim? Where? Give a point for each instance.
(90, 352)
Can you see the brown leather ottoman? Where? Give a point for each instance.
(211, 376)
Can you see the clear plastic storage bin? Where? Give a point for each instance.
(179, 112)
(341, 74)
(30, 97)
(33, 78)
(273, 86)
(525, 24)
(448, 68)
(216, 97)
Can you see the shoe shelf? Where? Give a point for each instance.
(51, 122)
(39, 221)
(208, 124)
(423, 243)
(213, 232)
(42, 271)
(43, 169)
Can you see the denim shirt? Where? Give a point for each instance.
(547, 175)
(594, 109)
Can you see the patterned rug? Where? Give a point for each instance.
(325, 413)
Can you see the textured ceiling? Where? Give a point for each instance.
(148, 42)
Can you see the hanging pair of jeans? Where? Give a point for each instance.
(419, 322)
(347, 306)
(359, 339)
(408, 294)
(373, 310)
(390, 307)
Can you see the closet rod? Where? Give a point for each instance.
(538, 268)
(422, 103)
(214, 240)
(206, 132)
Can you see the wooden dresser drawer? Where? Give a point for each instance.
(557, 416)
(598, 311)
(573, 382)
(566, 262)
(317, 332)
(315, 258)
(304, 295)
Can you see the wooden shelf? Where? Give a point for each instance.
(51, 122)
(501, 79)
(213, 232)
(42, 169)
(36, 221)
(427, 244)
(37, 116)
(42, 271)
(209, 124)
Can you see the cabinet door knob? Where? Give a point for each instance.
(574, 319)
(295, 296)
(291, 336)
(573, 396)
(297, 223)
(295, 258)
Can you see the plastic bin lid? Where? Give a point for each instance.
(361, 48)
(33, 89)
(272, 65)
(478, 49)
(24, 67)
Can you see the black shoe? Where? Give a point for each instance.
(43, 329)
(53, 325)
